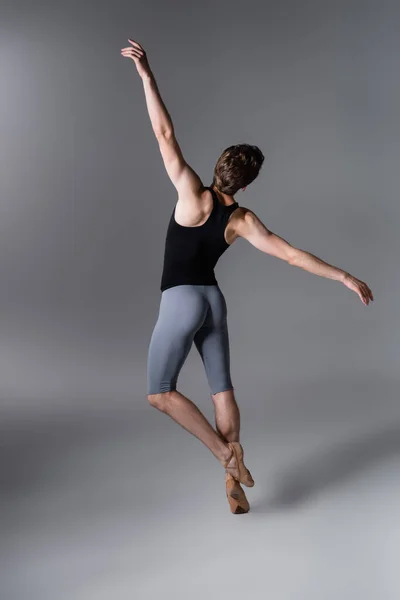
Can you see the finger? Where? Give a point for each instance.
(135, 43)
(365, 293)
(130, 49)
(134, 58)
(368, 293)
(130, 53)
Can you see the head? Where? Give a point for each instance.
(237, 167)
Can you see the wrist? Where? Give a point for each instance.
(343, 276)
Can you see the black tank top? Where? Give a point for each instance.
(191, 253)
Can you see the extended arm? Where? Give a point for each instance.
(181, 174)
(256, 233)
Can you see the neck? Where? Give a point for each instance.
(225, 198)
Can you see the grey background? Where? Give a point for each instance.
(102, 496)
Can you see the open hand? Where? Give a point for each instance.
(138, 55)
(359, 287)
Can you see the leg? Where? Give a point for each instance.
(212, 343)
(188, 416)
(227, 416)
(182, 312)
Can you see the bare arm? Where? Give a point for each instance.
(183, 177)
(159, 116)
(309, 262)
(256, 233)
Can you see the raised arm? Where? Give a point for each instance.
(251, 228)
(183, 177)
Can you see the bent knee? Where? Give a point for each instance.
(159, 399)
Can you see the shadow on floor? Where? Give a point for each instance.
(331, 467)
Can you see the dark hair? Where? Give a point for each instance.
(237, 167)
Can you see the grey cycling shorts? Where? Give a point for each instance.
(187, 314)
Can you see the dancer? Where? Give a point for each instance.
(205, 221)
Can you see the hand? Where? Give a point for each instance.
(138, 54)
(359, 287)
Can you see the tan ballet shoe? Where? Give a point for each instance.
(236, 497)
(240, 472)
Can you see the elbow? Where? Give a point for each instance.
(294, 255)
(165, 134)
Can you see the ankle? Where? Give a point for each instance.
(226, 454)
(229, 436)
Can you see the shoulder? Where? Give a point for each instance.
(195, 195)
(243, 216)
(194, 207)
(244, 212)
(244, 222)
(237, 223)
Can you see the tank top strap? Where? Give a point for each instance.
(232, 206)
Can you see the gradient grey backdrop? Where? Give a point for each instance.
(103, 497)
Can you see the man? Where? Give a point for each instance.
(205, 222)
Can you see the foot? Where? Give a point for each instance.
(231, 465)
(236, 497)
(235, 466)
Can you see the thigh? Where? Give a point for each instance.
(182, 312)
(212, 342)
